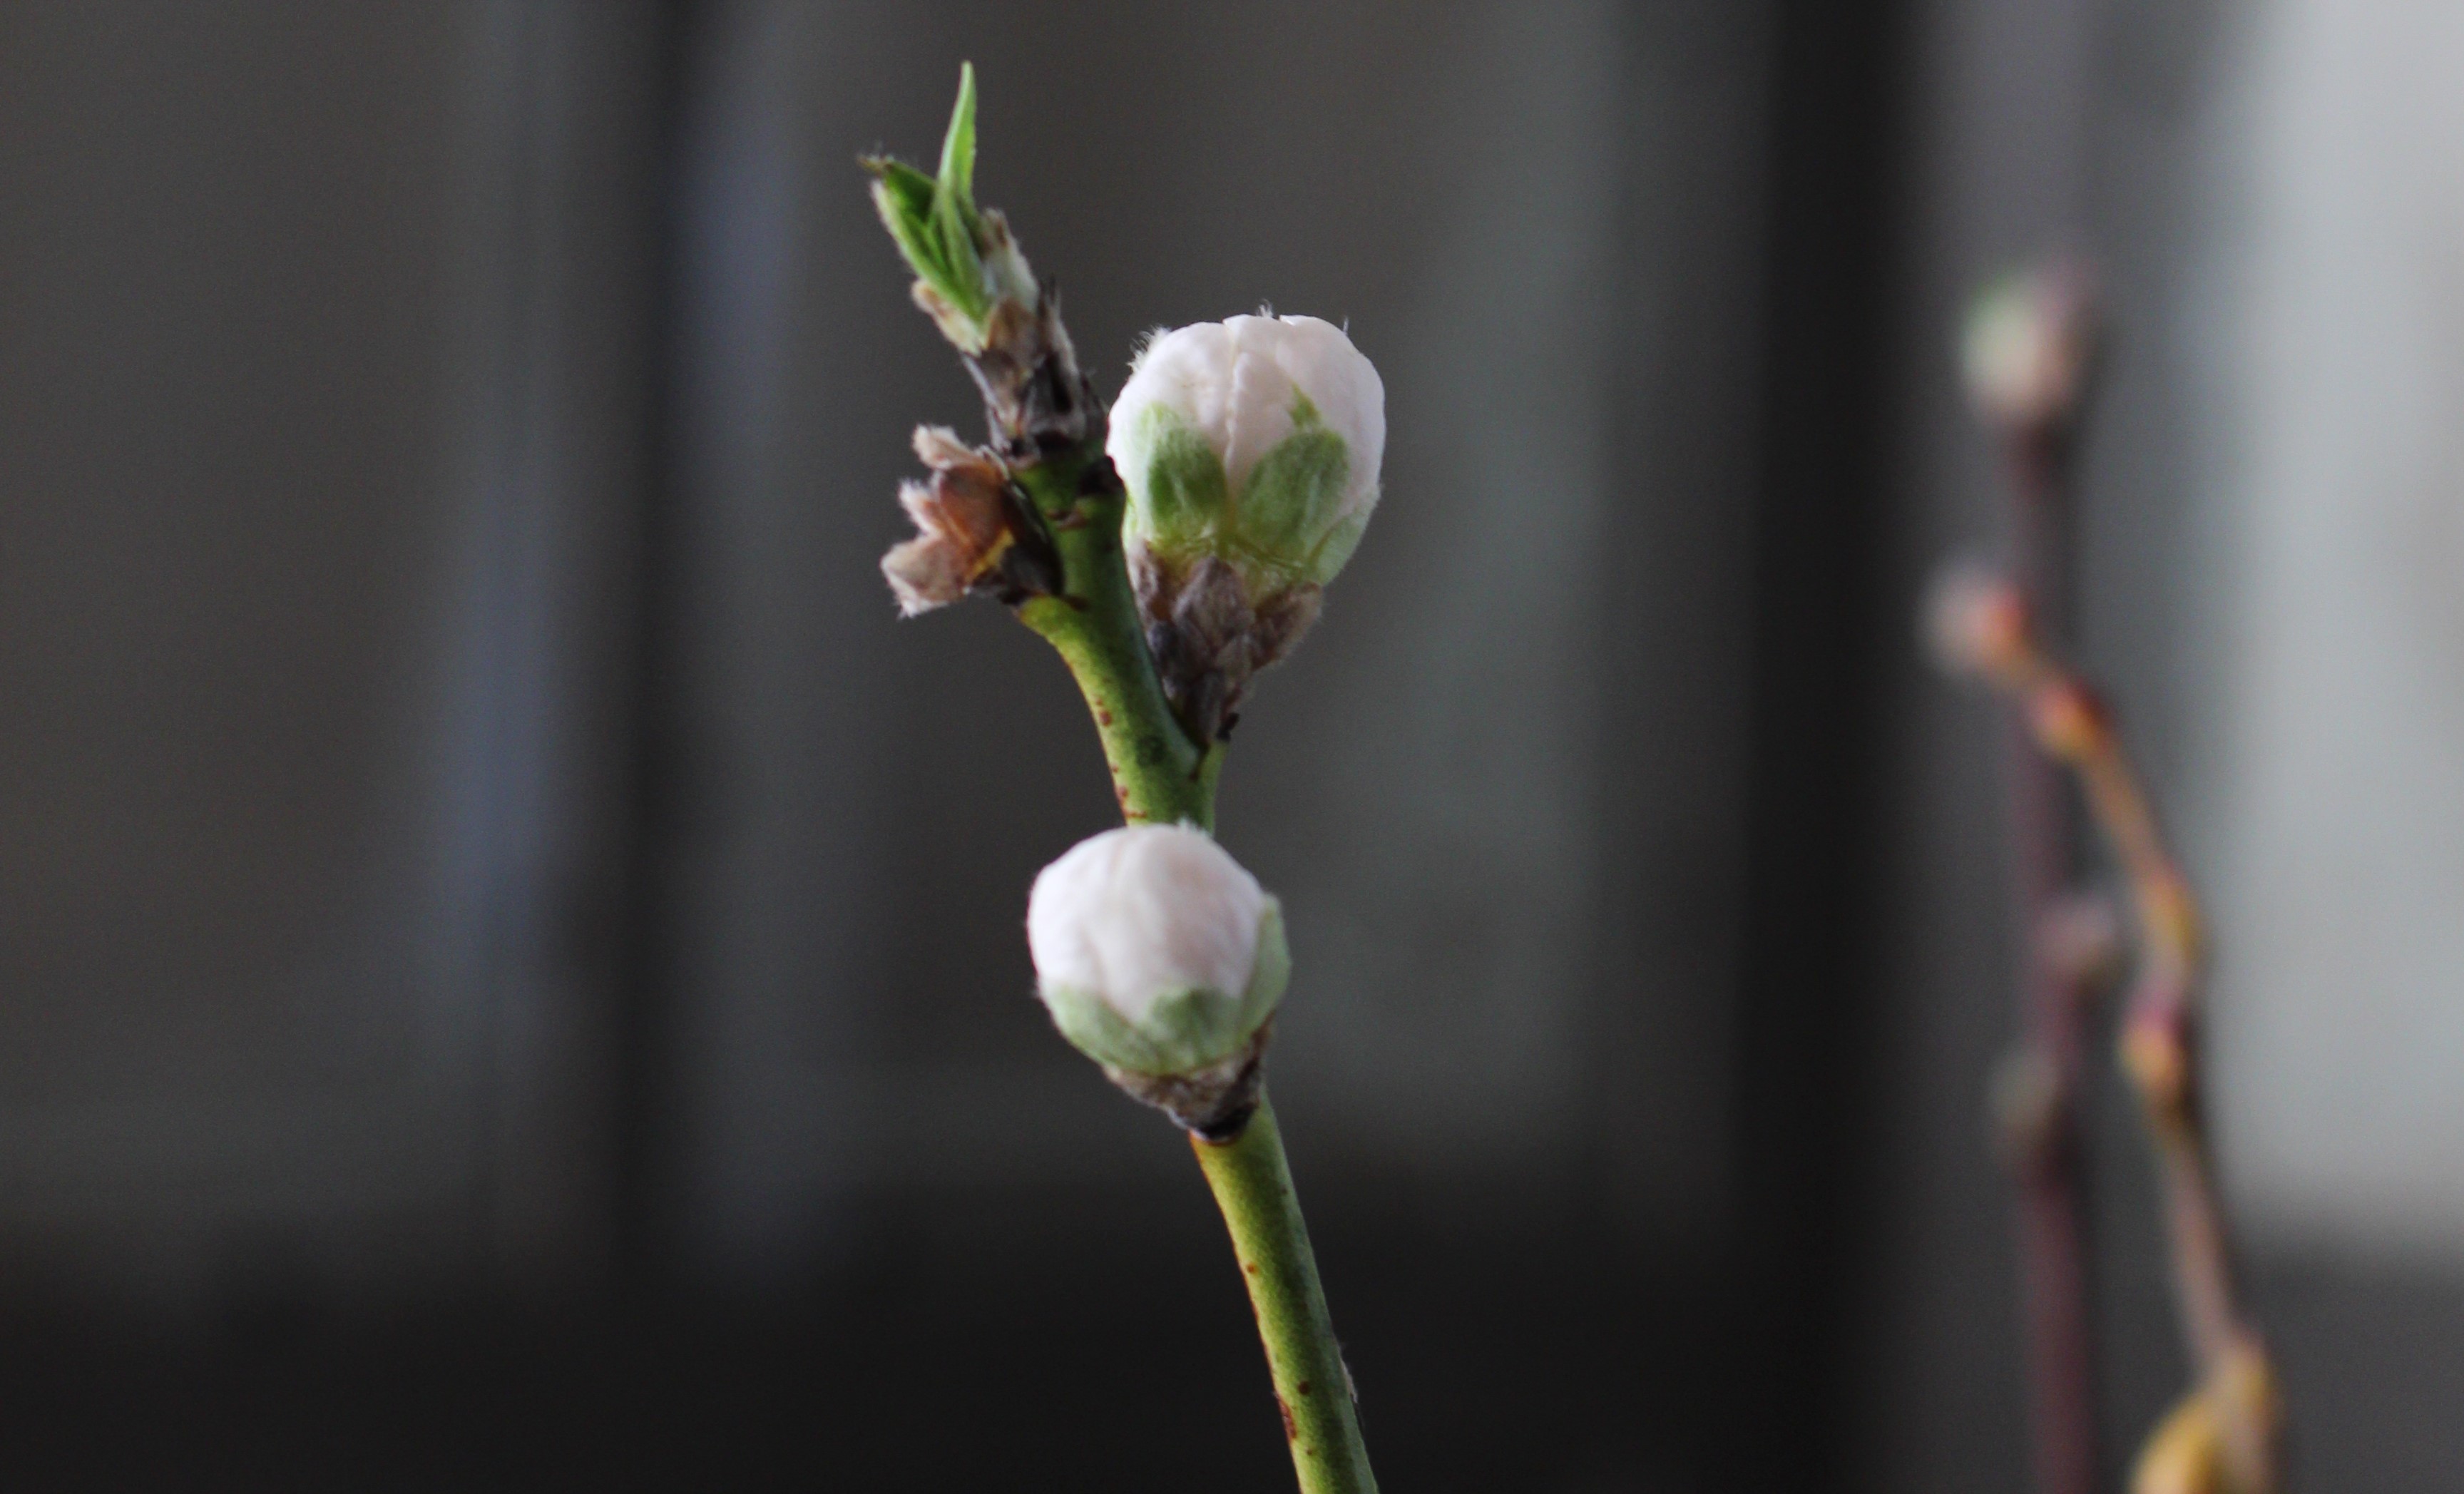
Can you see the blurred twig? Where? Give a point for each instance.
(2028, 356)
(2224, 1437)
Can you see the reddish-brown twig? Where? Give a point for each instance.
(2027, 358)
(2224, 1438)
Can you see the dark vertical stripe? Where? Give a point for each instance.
(650, 932)
(1807, 973)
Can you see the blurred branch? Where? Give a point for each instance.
(2027, 358)
(2225, 1436)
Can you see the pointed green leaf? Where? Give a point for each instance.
(904, 197)
(958, 146)
(954, 202)
(908, 190)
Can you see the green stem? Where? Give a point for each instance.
(1158, 773)
(1253, 1186)
(1161, 777)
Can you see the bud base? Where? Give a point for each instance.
(1209, 633)
(1214, 1102)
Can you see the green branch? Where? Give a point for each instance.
(1158, 775)
(977, 288)
(1253, 1186)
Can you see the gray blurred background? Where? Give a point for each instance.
(509, 964)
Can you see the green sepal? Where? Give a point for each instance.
(1334, 551)
(1282, 529)
(1185, 1031)
(1183, 496)
(1294, 493)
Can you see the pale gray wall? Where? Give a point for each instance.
(2328, 337)
(2269, 494)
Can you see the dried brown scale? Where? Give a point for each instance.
(1036, 400)
(1209, 639)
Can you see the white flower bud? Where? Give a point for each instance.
(1155, 953)
(1251, 450)
(1256, 440)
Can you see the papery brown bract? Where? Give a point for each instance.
(973, 531)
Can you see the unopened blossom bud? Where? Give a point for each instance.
(2026, 349)
(1161, 960)
(1250, 449)
(1257, 440)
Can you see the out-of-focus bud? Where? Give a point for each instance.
(2222, 1437)
(1161, 960)
(972, 532)
(1250, 449)
(2027, 347)
(2186, 1455)
(2250, 1413)
(2069, 719)
(2081, 940)
(1977, 622)
(2170, 911)
(2025, 1098)
(2155, 1051)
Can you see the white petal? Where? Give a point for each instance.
(1136, 914)
(1233, 382)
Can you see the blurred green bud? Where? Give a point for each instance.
(2028, 345)
(1157, 955)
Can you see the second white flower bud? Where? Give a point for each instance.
(1155, 953)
